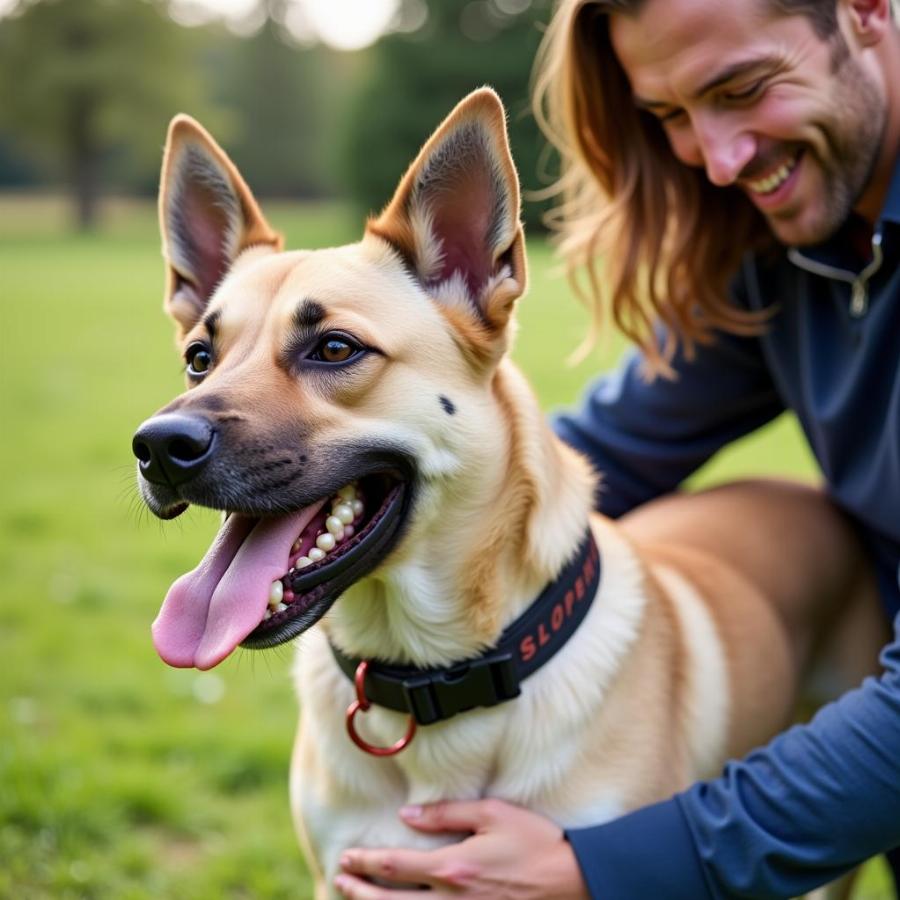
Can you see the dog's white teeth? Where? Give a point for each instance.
(281, 607)
(346, 507)
(343, 512)
(276, 593)
(326, 541)
(268, 615)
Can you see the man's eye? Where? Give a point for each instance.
(746, 93)
(674, 115)
(335, 349)
(198, 359)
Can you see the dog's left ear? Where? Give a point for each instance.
(455, 216)
(208, 216)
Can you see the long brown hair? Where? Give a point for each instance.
(655, 240)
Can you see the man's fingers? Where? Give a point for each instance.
(354, 888)
(407, 866)
(460, 816)
(357, 889)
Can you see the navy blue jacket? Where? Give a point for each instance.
(821, 797)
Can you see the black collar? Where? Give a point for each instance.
(432, 695)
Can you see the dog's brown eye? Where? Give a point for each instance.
(198, 360)
(335, 350)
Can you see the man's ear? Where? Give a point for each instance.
(207, 217)
(870, 20)
(455, 215)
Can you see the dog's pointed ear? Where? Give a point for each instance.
(207, 217)
(455, 215)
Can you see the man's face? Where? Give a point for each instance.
(760, 101)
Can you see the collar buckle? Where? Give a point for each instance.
(485, 681)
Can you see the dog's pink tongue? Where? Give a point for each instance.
(209, 611)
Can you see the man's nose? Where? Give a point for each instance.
(725, 152)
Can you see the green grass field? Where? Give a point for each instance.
(120, 777)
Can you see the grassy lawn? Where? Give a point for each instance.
(120, 777)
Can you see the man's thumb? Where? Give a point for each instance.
(463, 816)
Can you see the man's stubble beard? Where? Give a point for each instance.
(853, 139)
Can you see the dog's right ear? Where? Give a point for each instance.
(207, 217)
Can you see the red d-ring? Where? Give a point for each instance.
(361, 703)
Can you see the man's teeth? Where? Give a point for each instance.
(346, 508)
(775, 180)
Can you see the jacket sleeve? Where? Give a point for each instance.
(818, 800)
(645, 438)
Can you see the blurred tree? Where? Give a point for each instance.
(80, 79)
(15, 170)
(416, 78)
(282, 99)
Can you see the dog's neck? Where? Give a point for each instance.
(497, 534)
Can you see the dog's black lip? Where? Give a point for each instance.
(172, 512)
(318, 587)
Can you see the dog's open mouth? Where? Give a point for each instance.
(266, 580)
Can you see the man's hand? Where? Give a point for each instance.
(511, 853)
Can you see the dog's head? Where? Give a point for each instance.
(329, 391)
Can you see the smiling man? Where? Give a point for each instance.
(780, 107)
(739, 164)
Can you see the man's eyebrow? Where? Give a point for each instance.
(735, 70)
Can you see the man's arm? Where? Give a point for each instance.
(818, 800)
(645, 438)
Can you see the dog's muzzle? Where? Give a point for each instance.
(173, 448)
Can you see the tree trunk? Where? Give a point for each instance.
(83, 162)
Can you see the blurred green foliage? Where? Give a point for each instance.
(282, 104)
(87, 88)
(80, 78)
(417, 78)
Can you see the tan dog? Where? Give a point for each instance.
(364, 392)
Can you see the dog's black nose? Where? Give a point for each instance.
(173, 448)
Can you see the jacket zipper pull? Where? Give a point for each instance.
(859, 293)
(859, 298)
